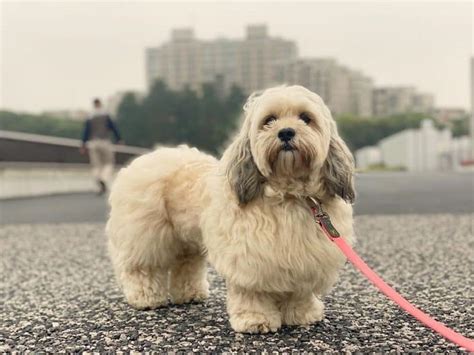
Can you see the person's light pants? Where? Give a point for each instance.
(102, 159)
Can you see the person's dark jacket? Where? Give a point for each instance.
(100, 126)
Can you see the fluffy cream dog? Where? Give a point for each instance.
(247, 213)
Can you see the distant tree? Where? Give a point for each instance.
(187, 116)
(131, 128)
(40, 124)
(204, 120)
(460, 127)
(359, 132)
(168, 117)
(236, 100)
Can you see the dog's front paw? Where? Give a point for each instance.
(253, 322)
(179, 296)
(145, 298)
(303, 313)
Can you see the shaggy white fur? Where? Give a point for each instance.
(247, 213)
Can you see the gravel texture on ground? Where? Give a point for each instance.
(59, 294)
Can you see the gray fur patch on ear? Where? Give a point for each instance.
(243, 174)
(338, 170)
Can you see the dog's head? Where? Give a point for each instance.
(289, 136)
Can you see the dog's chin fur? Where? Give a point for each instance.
(175, 208)
(290, 163)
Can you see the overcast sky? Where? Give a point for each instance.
(61, 54)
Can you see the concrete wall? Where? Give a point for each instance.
(32, 165)
(398, 150)
(419, 150)
(25, 180)
(368, 156)
(25, 147)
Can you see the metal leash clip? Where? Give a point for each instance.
(322, 218)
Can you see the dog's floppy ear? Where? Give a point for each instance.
(242, 172)
(338, 169)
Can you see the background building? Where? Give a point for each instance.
(259, 61)
(361, 94)
(449, 114)
(260, 58)
(472, 109)
(249, 63)
(389, 101)
(343, 90)
(176, 62)
(422, 150)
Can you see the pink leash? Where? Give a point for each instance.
(324, 221)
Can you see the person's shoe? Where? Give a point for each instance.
(102, 188)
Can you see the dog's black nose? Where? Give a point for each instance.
(286, 134)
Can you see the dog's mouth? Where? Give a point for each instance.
(287, 147)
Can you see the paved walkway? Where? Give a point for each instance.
(58, 293)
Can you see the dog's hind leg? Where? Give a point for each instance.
(142, 255)
(188, 279)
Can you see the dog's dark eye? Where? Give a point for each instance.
(269, 119)
(305, 117)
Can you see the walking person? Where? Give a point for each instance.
(98, 131)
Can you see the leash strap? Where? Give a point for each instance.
(324, 221)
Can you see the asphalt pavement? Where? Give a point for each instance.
(58, 294)
(377, 193)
